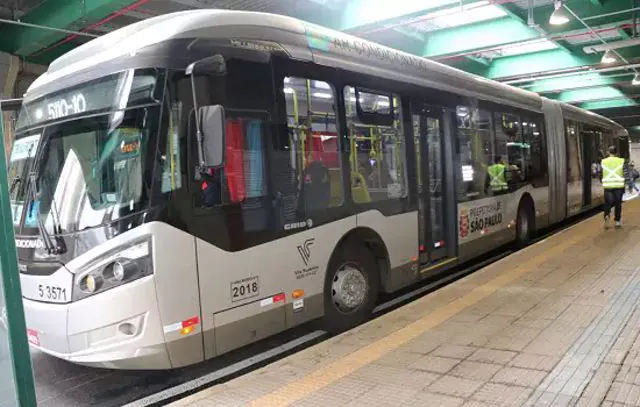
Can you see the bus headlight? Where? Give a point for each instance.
(114, 269)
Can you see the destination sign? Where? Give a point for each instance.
(98, 95)
(63, 107)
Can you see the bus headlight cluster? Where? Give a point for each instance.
(113, 269)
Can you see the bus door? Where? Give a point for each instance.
(588, 144)
(434, 214)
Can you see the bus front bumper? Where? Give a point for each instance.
(119, 328)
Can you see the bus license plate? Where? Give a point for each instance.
(52, 293)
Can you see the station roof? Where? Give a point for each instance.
(590, 60)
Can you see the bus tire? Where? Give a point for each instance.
(351, 288)
(524, 225)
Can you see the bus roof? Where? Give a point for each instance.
(301, 40)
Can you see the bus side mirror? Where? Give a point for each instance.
(210, 120)
(213, 140)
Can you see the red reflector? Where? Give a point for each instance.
(205, 185)
(278, 297)
(32, 336)
(421, 248)
(190, 322)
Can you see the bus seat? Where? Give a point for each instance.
(316, 188)
(234, 166)
(359, 189)
(335, 176)
(254, 166)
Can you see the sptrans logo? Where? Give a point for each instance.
(464, 223)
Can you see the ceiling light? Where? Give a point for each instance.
(559, 15)
(636, 80)
(608, 57)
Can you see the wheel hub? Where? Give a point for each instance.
(349, 288)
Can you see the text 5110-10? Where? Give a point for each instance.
(62, 107)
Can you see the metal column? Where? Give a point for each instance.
(10, 281)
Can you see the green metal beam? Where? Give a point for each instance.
(472, 37)
(544, 61)
(590, 94)
(364, 15)
(411, 34)
(593, 80)
(71, 14)
(608, 104)
(482, 61)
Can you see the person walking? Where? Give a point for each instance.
(633, 176)
(613, 181)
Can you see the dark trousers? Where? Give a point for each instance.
(613, 197)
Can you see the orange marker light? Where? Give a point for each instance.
(297, 294)
(187, 330)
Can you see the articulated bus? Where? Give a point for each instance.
(198, 181)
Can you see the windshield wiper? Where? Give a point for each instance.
(14, 183)
(61, 247)
(51, 248)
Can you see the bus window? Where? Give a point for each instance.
(475, 152)
(510, 146)
(534, 149)
(574, 153)
(308, 173)
(378, 170)
(171, 165)
(243, 175)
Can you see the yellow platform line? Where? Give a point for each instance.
(348, 364)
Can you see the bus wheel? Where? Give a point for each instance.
(351, 288)
(524, 226)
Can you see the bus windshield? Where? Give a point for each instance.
(20, 161)
(93, 142)
(92, 171)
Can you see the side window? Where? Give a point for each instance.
(377, 145)
(475, 152)
(172, 167)
(246, 92)
(307, 167)
(243, 175)
(574, 152)
(597, 154)
(533, 148)
(510, 146)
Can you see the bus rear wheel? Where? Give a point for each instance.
(524, 226)
(351, 288)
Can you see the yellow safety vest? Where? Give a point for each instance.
(612, 172)
(497, 179)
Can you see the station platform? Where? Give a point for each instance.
(555, 324)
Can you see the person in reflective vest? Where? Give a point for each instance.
(613, 182)
(497, 176)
